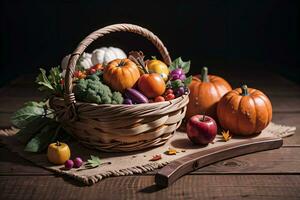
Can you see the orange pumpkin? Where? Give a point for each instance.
(151, 85)
(205, 92)
(121, 74)
(244, 111)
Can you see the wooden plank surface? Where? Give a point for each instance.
(141, 187)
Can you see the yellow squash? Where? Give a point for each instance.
(157, 66)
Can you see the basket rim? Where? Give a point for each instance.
(178, 99)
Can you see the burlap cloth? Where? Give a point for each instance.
(126, 163)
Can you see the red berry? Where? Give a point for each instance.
(159, 99)
(169, 97)
(169, 91)
(92, 70)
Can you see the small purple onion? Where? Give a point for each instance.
(182, 77)
(127, 101)
(176, 74)
(69, 164)
(77, 162)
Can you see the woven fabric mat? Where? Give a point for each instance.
(125, 163)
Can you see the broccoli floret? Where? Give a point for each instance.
(92, 90)
(94, 77)
(117, 98)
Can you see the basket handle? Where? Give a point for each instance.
(69, 96)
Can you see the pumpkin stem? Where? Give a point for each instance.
(57, 143)
(122, 63)
(153, 58)
(244, 90)
(204, 76)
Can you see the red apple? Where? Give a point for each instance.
(201, 129)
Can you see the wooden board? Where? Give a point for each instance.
(173, 171)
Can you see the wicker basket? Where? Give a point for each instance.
(118, 128)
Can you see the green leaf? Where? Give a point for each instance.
(175, 64)
(43, 81)
(25, 115)
(94, 161)
(33, 127)
(179, 63)
(176, 84)
(50, 83)
(188, 81)
(34, 103)
(42, 139)
(186, 66)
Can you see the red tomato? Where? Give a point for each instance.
(151, 85)
(169, 97)
(159, 99)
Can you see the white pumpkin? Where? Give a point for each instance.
(106, 54)
(84, 61)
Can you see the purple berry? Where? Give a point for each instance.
(77, 162)
(127, 101)
(69, 164)
(186, 90)
(179, 91)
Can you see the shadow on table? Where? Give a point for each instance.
(151, 189)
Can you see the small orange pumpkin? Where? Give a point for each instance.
(244, 111)
(205, 92)
(121, 74)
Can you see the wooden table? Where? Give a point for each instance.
(266, 175)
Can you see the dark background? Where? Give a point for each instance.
(218, 34)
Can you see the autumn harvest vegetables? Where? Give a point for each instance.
(244, 111)
(205, 93)
(126, 103)
(95, 80)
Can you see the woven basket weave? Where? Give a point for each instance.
(118, 128)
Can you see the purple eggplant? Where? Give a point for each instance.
(127, 101)
(135, 96)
